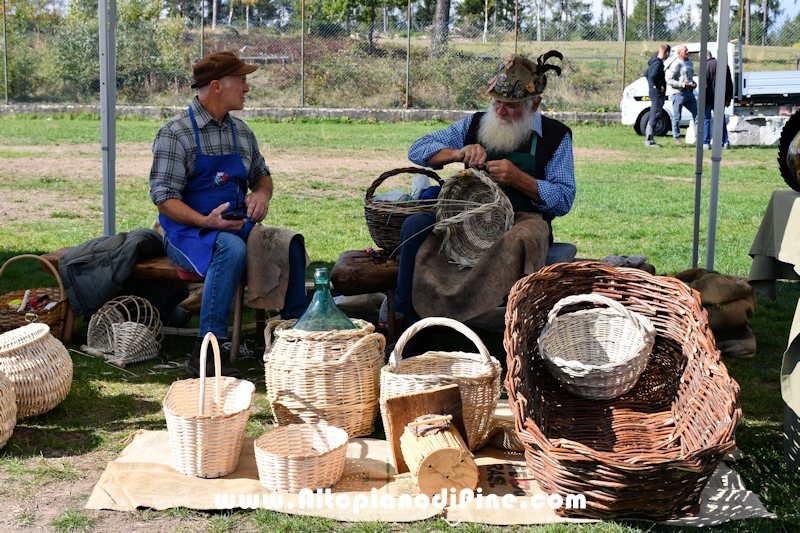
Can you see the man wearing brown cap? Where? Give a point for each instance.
(529, 156)
(204, 163)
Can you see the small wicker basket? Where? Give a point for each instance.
(477, 375)
(54, 317)
(472, 213)
(385, 218)
(301, 456)
(8, 409)
(39, 366)
(126, 330)
(596, 353)
(206, 433)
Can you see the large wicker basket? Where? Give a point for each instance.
(597, 353)
(39, 366)
(206, 431)
(385, 218)
(54, 317)
(477, 375)
(332, 376)
(648, 453)
(301, 456)
(8, 409)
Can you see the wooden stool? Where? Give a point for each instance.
(355, 272)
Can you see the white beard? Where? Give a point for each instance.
(501, 136)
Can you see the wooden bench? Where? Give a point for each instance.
(162, 269)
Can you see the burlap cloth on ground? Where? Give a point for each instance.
(441, 289)
(268, 266)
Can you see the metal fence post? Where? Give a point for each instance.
(202, 27)
(303, 53)
(5, 52)
(408, 56)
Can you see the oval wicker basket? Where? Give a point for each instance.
(596, 353)
(332, 376)
(8, 409)
(477, 375)
(385, 218)
(39, 366)
(206, 431)
(301, 456)
(472, 213)
(648, 453)
(54, 317)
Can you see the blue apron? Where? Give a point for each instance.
(216, 179)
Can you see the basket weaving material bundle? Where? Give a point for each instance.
(647, 453)
(55, 317)
(385, 218)
(472, 213)
(477, 375)
(597, 353)
(8, 409)
(39, 366)
(126, 330)
(206, 430)
(301, 456)
(332, 376)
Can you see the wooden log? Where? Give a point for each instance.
(356, 273)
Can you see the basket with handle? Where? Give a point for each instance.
(301, 456)
(206, 431)
(54, 317)
(477, 375)
(384, 218)
(596, 353)
(332, 376)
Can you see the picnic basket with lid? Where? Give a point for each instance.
(385, 218)
(206, 430)
(55, 317)
(301, 456)
(39, 366)
(477, 375)
(599, 352)
(332, 376)
(8, 409)
(649, 452)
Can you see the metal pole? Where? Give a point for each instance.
(202, 27)
(719, 121)
(408, 56)
(624, 46)
(303, 53)
(516, 23)
(701, 109)
(5, 51)
(108, 105)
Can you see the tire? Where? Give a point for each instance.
(661, 127)
(787, 152)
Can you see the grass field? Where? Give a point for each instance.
(630, 200)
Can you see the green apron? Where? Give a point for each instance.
(527, 164)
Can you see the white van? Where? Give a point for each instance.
(635, 104)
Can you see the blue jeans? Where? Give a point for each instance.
(413, 233)
(683, 99)
(708, 124)
(656, 105)
(228, 264)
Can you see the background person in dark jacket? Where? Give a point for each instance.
(658, 88)
(711, 81)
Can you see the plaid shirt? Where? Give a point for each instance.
(557, 189)
(175, 150)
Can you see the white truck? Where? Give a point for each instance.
(755, 93)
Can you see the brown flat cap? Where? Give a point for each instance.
(217, 65)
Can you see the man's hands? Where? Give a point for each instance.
(257, 203)
(472, 154)
(215, 220)
(504, 171)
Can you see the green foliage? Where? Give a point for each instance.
(71, 520)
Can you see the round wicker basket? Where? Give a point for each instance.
(301, 456)
(39, 366)
(471, 214)
(8, 409)
(332, 376)
(596, 353)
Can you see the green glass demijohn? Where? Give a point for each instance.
(322, 313)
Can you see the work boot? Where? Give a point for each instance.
(193, 364)
(677, 141)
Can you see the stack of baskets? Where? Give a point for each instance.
(477, 375)
(645, 454)
(55, 317)
(8, 409)
(206, 432)
(39, 366)
(332, 376)
(385, 218)
(126, 330)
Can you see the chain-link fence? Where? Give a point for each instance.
(312, 55)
